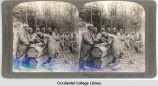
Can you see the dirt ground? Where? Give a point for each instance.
(132, 62)
(68, 62)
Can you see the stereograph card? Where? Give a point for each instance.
(79, 39)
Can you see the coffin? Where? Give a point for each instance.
(35, 51)
(100, 50)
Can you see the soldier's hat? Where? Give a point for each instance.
(94, 28)
(102, 29)
(105, 34)
(114, 28)
(90, 27)
(26, 26)
(49, 28)
(120, 29)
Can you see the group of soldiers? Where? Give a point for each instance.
(49, 40)
(52, 42)
(118, 42)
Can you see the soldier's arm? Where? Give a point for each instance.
(23, 39)
(46, 35)
(57, 38)
(97, 40)
(87, 39)
(33, 38)
(122, 38)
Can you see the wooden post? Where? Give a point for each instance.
(59, 18)
(46, 16)
(91, 16)
(125, 21)
(101, 17)
(111, 22)
(35, 14)
(27, 14)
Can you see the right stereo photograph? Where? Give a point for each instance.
(112, 37)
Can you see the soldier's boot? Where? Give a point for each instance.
(114, 61)
(82, 65)
(47, 61)
(56, 55)
(122, 55)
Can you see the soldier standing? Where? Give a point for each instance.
(138, 43)
(115, 48)
(73, 43)
(86, 45)
(126, 42)
(62, 41)
(23, 42)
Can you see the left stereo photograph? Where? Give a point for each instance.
(45, 37)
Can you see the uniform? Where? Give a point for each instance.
(61, 42)
(15, 41)
(73, 44)
(131, 41)
(121, 42)
(115, 46)
(22, 44)
(127, 45)
(98, 36)
(50, 45)
(138, 43)
(66, 40)
(86, 45)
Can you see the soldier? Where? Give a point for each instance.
(121, 38)
(43, 30)
(16, 27)
(116, 32)
(73, 43)
(37, 30)
(94, 34)
(115, 48)
(23, 41)
(120, 31)
(100, 33)
(32, 35)
(56, 36)
(86, 45)
(108, 29)
(113, 31)
(61, 41)
(131, 41)
(49, 30)
(138, 43)
(66, 41)
(126, 42)
(51, 48)
(83, 26)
